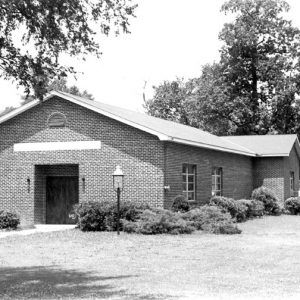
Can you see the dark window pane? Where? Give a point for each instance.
(191, 178)
(191, 186)
(190, 169)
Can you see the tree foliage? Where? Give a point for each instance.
(170, 102)
(58, 85)
(34, 34)
(253, 89)
(61, 85)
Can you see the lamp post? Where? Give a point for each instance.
(118, 177)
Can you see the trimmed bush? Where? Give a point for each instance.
(292, 205)
(241, 212)
(158, 221)
(102, 216)
(268, 198)
(181, 204)
(254, 208)
(227, 204)
(9, 220)
(211, 219)
(238, 211)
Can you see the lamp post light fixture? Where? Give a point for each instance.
(118, 178)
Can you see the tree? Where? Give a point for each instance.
(60, 85)
(33, 35)
(260, 61)
(169, 102)
(253, 89)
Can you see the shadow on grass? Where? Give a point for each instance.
(55, 283)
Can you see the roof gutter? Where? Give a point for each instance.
(207, 146)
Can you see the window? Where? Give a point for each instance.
(216, 181)
(57, 120)
(292, 182)
(189, 181)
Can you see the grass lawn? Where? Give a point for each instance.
(262, 262)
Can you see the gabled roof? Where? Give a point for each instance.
(163, 129)
(267, 145)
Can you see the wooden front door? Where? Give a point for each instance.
(61, 195)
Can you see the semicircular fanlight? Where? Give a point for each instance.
(57, 120)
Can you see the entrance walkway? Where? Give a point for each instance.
(38, 228)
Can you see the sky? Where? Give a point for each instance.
(169, 39)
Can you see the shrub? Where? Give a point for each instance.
(227, 228)
(128, 211)
(255, 208)
(238, 211)
(227, 204)
(102, 216)
(268, 198)
(158, 221)
(211, 219)
(180, 203)
(241, 212)
(9, 220)
(292, 205)
(206, 214)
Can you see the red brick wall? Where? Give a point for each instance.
(269, 172)
(274, 173)
(139, 154)
(291, 163)
(237, 171)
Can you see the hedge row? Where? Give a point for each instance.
(218, 216)
(102, 216)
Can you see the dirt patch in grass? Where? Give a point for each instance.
(262, 262)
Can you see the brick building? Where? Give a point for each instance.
(64, 150)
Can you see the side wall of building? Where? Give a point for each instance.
(237, 172)
(274, 173)
(291, 164)
(140, 155)
(269, 172)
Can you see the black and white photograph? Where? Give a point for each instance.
(149, 149)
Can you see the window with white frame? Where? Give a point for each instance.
(292, 182)
(216, 181)
(189, 181)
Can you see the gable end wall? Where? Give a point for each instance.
(269, 172)
(140, 155)
(291, 163)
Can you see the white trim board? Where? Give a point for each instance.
(57, 146)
